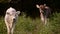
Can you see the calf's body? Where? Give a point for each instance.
(10, 19)
(44, 12)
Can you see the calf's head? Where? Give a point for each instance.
(40, 7)
(12, 13)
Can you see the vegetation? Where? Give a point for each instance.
(4, 1)
(34, 26)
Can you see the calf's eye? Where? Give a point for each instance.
(7, 13)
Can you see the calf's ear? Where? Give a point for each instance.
(18, 12)
(37, 6)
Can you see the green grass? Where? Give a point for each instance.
(34, 26)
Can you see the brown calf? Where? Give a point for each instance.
(44, 11)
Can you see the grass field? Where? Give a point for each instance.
(34, 26)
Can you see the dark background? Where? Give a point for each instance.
(29, 6)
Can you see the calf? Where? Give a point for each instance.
(44, 12)
(10, 19)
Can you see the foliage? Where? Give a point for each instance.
(4, 1)
(34, 26)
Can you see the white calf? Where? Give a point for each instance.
(10, 19)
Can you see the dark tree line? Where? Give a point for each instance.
(28, 6)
